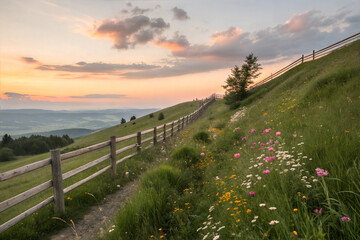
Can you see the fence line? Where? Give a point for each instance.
(310, 57)
(159, 133)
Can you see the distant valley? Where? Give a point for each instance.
(25, 122)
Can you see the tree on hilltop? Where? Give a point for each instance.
(240, 79)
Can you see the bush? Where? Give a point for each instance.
(6, 154)
(202, 137)
(161, 116)
(132, 118)
(151, 115)
(186, 156)
(123, 121)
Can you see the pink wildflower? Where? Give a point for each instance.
(345, 219)
(252, 193)
(254, 143)
(244, 138)
(202, 154)
(318, 211)
(268, 159)
(239, 129)
(321, 172)
(271, 149)
(278, 133)
(236, 155)
(251, 147)
(266, 171)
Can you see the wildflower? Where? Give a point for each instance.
(236, 155)
(278, 133)
(345, 219)
(295, 233)
(251, 147)
(160, 229)
(271, 149)
(304, 197)
(248, 211)
(202, 154)
(321, 172)
(262, 205)
(221, 228)
(318, 211)
(244, 138)
(273, 222)
(295, 209)
(265, 235)
(272, 208)
(252, 193)
(266, 171)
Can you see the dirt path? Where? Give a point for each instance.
(99, 217)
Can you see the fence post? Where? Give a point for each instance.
(313, 54)
(179, 125)
(187, 120)
(302, 58)
(172, 128)
(57, 180)
(182, 124)
(113, 155)
(155, 136)
(164, 132)
(139, 141)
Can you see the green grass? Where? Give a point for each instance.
(315, 107)
(100, 186)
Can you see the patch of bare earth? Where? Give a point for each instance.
(99, 217)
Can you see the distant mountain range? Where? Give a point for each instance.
(25, 122)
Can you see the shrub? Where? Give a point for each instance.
(202, 137)
(123, 121)
(132, 118)
(161, 116)
(6, 154)
(151, 115)
(186, 156)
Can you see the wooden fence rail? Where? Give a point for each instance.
(310, 57)
(159, 133)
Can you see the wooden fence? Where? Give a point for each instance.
(310, 57)
(157, 134)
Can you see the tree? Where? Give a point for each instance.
(123, 120)
(151, 115)
(240, 79)
(6, 140)
(132, 118)
(161, 116)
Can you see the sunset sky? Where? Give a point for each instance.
(100, 54)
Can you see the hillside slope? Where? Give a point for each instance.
(286, 166)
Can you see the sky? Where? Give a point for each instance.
(104, 54)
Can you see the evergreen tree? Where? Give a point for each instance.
(123, 120)
(132, 118)
(6, 140)
(240, 79)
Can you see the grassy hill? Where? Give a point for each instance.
(287, 166)
(99, 187)
(253, 177)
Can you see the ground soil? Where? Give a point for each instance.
(100, 218)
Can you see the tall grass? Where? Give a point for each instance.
(306, 119)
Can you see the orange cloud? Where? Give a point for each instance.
(172, 46)
(231, 34)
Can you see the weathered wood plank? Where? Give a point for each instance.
(113, 155)
(147, 131)
(147, 139)
(126, 137)
(84, 150)
(24, 169)
(126, 148)
(124, 158)
(24, 195)
(75, 185)
(85, 166)
(57, 181)
(23, 215)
